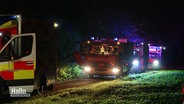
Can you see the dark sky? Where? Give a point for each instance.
(159, 15)
(163, 20)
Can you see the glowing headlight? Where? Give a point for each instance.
(115, 70)
(87, 68)
(135, 62)
(155, 63)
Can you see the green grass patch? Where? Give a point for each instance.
(152, 87)
(70, 71)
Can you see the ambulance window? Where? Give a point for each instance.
(22, 46)
(17, 48)
(6, 53)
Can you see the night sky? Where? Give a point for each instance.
(161, 22)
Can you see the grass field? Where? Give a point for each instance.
(152, 87)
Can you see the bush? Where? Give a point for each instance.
(70, 71)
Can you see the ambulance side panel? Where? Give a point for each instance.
(46, 50)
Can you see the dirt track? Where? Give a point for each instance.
(74, 83)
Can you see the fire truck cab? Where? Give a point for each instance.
(105, 57)
(155, 56)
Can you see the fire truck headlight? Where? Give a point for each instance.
(115, 70)
(156, 63)
(87, 68)
(135, 62)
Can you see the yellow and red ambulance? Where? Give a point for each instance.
(27, 58)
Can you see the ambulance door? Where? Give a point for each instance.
(21, 60)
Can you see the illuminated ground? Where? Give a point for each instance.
(152, 87)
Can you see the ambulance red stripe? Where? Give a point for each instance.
(7, 75)
(23, 65)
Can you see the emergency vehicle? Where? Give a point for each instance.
(140, 57)
(117, 57)
(103, 57)
(146, 56)
(27, 55)
(155, 57)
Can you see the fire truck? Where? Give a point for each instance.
(155, 56)
(27, 55)
(146, 56)
(104, 57)
(117, 57)
(140, 57)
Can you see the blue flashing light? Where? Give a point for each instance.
(92, 38)
(115, 39)
(14, 17)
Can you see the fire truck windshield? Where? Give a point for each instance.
(103, 49)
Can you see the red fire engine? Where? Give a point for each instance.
(117, 57)
(105, 57)
(155, 56)
(146, 56)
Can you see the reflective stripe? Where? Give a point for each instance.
(18, 70)
(4, 66)
(7, 75)
(23, 65)
(24, 74)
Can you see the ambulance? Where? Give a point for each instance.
(27, 55)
